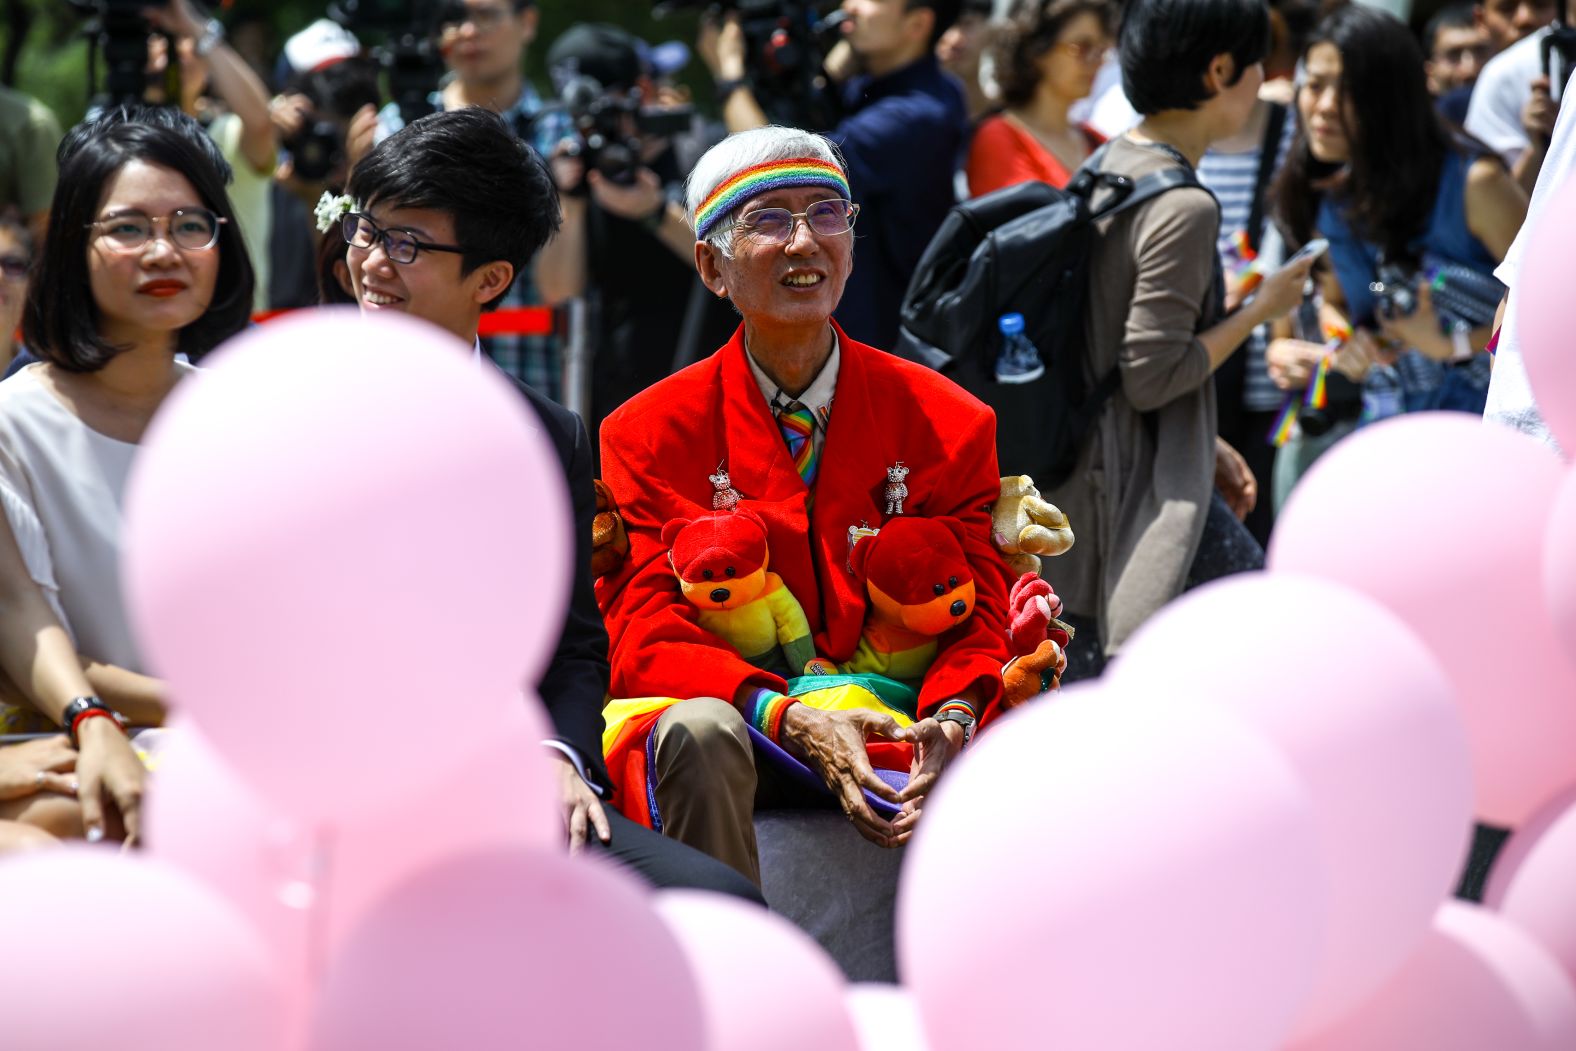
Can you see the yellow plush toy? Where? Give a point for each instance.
(1024, 527)
(720, 560)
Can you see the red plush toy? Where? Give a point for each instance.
(920, 586)
(1032, 609)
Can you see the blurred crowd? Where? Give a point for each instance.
(1351, 260)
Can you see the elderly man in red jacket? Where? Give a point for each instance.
(807, 424)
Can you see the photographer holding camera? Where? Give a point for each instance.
(624, 237)
(1517, 95)
(483, 43)
(211, 71)
(901, 135)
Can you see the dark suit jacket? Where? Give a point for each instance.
(575, 683)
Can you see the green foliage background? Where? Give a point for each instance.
(43, 54)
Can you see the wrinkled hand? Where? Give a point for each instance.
(579, 805)
(43, 764)
(935, 745)
(1281, 292)
(833, 743)
(639, 200)
(1540, 112)
(1235, 479)
(1291, 362)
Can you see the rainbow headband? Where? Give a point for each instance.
(763, 178)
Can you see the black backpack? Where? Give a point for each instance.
(1022, 249)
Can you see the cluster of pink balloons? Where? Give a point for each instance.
(348, 552)
(1246, 835)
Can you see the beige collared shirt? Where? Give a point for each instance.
(817, 397)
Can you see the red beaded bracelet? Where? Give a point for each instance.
(89, 713)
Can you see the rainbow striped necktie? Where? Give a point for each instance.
(798, 427)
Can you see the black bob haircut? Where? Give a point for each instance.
(61, 321)
(466, 162)
(1167, 46)
(945, 12)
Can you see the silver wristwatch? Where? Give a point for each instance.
(962, 719)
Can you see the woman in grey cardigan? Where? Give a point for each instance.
(1144, 497)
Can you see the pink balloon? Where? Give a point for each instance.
(886, 1017)
(1533, 882)
(1541, 300)
(1559, 571)
(1440, 519)
(511, 949)
(1137, 874)
(342, 534)
(306, 887)
(115, 950)
(734, 949)
(1366, 716)
(1475, 983)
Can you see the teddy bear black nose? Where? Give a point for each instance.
(720, 595)
(959, 607)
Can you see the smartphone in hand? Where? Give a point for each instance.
(1312, 250)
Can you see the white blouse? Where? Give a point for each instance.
(62, 485)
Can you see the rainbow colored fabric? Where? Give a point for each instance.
(761, 178)
(798, 427)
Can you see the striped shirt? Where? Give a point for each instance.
(1232, 178)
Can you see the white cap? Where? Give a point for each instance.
(320, 44)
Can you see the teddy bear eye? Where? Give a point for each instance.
(705, 574)
(952, 582)
(941, 589)
(732, 572)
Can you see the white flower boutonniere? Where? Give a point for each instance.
(331, 209)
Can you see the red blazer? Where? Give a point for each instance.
(658, 449)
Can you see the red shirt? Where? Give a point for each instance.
(1005, 153)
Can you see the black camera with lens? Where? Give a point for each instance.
(786, 43)
(315, 149)
(409, 55)
(117, 34)
(1395, 291)
(610, 128)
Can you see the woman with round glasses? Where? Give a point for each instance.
(815, 433)
(144, 264)
(1046, 60)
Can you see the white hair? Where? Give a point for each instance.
(746, 149)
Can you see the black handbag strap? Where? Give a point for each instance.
(1269, 153)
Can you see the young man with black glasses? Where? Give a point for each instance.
(447, 212)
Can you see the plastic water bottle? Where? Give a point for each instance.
(1019, 360)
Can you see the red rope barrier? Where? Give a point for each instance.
(511, 321)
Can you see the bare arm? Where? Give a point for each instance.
(1496, 206)
(232, 80)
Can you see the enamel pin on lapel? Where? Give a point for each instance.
(857, 533)
(725, 497)
(896, 491)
